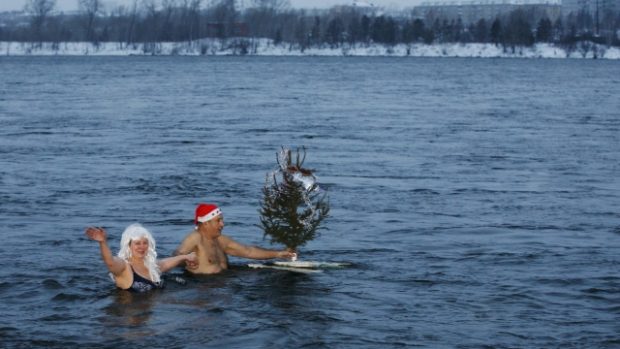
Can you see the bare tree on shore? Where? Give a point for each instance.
(90, 9)
(153, 21)
(39, 11)
(132, 23)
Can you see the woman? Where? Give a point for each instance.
(136, 268)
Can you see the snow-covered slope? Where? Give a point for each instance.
(266, 47)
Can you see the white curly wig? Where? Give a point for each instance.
(136, 232)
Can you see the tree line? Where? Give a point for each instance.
(150, 21)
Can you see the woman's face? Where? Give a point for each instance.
(139, 247)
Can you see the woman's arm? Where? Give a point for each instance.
(115, 265)
(166, 264)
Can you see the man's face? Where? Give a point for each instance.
(213, 228)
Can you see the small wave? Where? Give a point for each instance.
(529, 227)
(560, 281)
(7, 329)
(614, 309)
(31, 133)
(8, 332)
(66, 269)
(351, 255)
(611, 343)
(56, 318)
(512, 334)
(55, 242)
(398, 231)
(27, 295)
(176, 142)
(51, 284)
(608, 278)
(418, 282)
(597, 297)
(258, 130)
(596, 290)
(68, 297)
(173, 222)
(216, 310)
(425, 191)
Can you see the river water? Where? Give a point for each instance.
(477, 201)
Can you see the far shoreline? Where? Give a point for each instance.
(266, 47)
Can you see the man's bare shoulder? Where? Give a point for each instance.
(192, 237)
(224, 240)
(190, 241)
(192, 234)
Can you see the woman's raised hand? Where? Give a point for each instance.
(97, 234)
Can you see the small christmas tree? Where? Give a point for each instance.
(293, 205)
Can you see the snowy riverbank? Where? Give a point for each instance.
(266, 47)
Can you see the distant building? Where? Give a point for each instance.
(473, 11)
(590, 6)
(361, 7)
(14, 19)
(362, 4)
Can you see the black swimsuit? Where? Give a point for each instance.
(141, 284)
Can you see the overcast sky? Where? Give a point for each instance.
(69, 5)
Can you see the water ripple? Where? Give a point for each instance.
(467, 217)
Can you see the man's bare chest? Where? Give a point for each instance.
(213, 254)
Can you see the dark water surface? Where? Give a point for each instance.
(478, 201)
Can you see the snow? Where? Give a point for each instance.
(266, 47)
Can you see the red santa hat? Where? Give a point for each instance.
(205, 212)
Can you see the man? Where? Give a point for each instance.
(212, 248)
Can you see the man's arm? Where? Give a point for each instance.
(236, 249)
